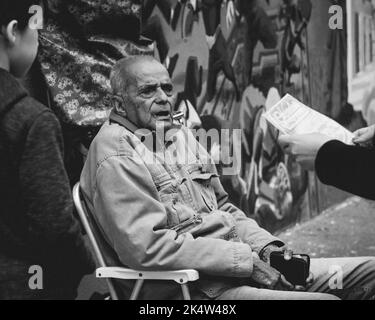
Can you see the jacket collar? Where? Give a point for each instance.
(114, 117)
(11, 91)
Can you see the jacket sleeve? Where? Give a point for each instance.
(132, 216)
(349, 168)
(247, 228)
(46, 197)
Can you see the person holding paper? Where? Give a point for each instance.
(347, 167)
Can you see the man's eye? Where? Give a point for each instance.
(148, 91)
(167, 88)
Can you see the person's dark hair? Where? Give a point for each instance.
(16, 10)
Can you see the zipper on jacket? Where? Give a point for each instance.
(196, 220)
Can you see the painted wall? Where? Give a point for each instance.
(233, 72)
(229, 69)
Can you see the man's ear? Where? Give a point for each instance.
(11, 31)
(118, 105)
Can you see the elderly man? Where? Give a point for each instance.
(161, 208)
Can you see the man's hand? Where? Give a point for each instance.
(266, 254)
(268, 277)
(364, 136)
(304, 147)
(310, 280)
(288, 254)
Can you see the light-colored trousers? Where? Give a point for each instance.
(337, 278)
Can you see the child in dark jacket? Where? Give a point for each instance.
(42, 253)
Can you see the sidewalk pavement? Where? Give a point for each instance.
(345, 230)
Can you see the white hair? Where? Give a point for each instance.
(121, 73)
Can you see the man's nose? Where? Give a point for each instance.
(161, 97)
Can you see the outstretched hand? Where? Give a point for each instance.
(365, 135)
(304, 147)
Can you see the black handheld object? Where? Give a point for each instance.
(295, 270)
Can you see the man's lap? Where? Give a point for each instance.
(250, 293)
(346, 278)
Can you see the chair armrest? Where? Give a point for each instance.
(180, 276)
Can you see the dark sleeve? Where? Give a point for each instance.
(46, 196)
(349, 168)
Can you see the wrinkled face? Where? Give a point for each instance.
(150, 98)
(24, 51)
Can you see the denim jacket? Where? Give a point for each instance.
(168, 214)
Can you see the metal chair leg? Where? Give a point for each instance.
(185, 291)
(112, 290)
(137, 289)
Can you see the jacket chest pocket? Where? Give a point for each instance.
(172, 196)
(167, 190)
(202, 188)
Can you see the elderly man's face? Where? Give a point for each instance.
(150, 96)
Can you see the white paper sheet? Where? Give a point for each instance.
(291, 116)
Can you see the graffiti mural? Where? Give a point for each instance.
(231, 60)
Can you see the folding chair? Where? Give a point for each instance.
(103, 253)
